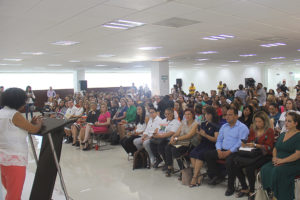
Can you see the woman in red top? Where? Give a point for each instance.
(261, 136)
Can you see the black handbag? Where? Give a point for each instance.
(246, 158)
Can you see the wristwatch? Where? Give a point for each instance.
(175, 138)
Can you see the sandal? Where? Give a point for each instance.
(193, 182)
(242, 194)
(200, 180)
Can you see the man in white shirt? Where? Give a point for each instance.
(152, 125)
(161, 136)
(71, 111)
(51, 93)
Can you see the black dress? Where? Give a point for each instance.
(205, 144)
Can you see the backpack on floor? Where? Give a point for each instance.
(141, 160)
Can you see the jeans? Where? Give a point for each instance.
(146, 144)
(27, 110)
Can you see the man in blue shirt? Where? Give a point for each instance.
(228, 142)
(274, 114)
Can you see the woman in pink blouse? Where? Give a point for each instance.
(100, 126)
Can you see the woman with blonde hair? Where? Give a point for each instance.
(261, 136)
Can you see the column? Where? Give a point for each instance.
(160, 78)
(77, 76)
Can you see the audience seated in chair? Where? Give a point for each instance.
(144, 141)
(130, 118)
(229, 140)
(161, 136)
(278, 175)
(209, 132)
(101, 126)
(261, 136)
(140, 126)
(181, 141)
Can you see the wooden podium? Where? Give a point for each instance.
(48, 161)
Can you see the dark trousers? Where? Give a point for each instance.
(158, 146)
(174, 153)
(127, 144)
(236, 171)
(214, 169)
(27, 110)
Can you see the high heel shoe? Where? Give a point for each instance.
(86, 147)
(194, 182)
(200, 180)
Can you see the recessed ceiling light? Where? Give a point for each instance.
(218, 37)
(100, 65)
(33, 53)
(8, 64)
(12, 59)
(277, 58)
(55, 65)
(122, 24)
(202, 59)
(106, 55)
(65, 43)
(248, 55)
(74, 61)
(149, 48)
(273, 44)
(115, 27)
(138, 66)
(234, 61)
(207, 52)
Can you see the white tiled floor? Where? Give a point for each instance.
(108, 174)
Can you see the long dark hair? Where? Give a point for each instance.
(27, 89)
(211, 110)
(141, 118)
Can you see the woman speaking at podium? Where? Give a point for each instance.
(13, 145)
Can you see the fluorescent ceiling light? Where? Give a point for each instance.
(106, 55)
(12, 59)
(116, 27)
(138, 66)
(131, 22)
(33, 53)
(55, 65)
(74, 61)
(207, 52)
(248, 55)
(101, 65)
(218, 37)
(199, 64)
(234, 61)
(202, 59)
(298, 50)
(65, 43)
(224, 65)
(277, 58)
(259, 62)
(122, 24)
(297, 60)
(273, 44)
(149, 48)
(8, 64)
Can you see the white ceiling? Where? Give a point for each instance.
(32, 25)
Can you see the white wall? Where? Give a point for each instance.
(207, 78)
